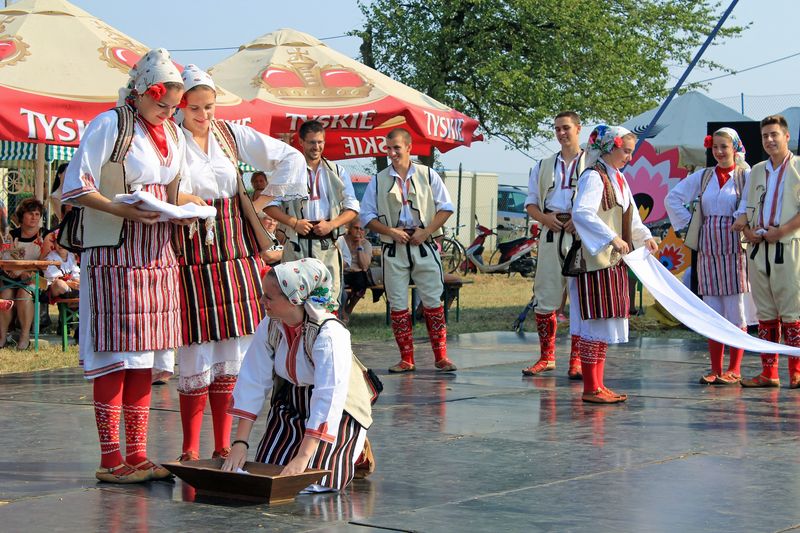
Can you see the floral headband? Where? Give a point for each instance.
(604, 139)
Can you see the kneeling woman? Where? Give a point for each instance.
(319, 413)
(609, 226)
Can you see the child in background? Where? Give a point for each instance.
(63, 280)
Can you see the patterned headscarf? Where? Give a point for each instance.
(738, 146)
(193, 76)
(154, 67)
(603, 140)
(307, 282)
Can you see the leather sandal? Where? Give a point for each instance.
(574, 371)
(760, 382)
(708, 379)
(728, 378)
(402, 366)
(154, 471)
(221, 454)
(121, 474)
(621, 397)
(445, 365)
(603, 395)
(794, 381)
(189, 455)
(539, 367)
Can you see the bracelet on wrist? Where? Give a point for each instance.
(246, 445)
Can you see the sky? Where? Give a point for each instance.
(179, 25)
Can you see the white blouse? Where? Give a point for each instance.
(715, 201)
(213, 175)
(144, 164)
(329, 374)
(594, 233)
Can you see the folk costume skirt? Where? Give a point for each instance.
(286, 425)
(220, 292)
(131, 317)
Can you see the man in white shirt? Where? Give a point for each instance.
(769, 216)
(407, 204)
(551, 190)
(312, 226)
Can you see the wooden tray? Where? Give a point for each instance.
(262, 483)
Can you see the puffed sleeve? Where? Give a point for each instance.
(533, 186)
(594, 233)
(285, 165)
(83, 173)
(255, 376)
(333, 357)
(685, 192)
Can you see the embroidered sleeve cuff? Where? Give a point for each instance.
(320, 435)
(238, 413)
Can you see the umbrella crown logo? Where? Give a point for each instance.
(12, 50)
(303, 78)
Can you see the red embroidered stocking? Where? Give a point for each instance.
(192, 402)
(791, 337)
(546, 327)
(437, 331)
(574, 350)
(716, 352)
(403, 334)
(769, 330)
(600, 349)
(220, 396)
(136, 407)
(589, 361)
(107, 412)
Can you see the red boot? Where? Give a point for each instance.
(574, 371)
(593, 355)
(791, 337)
(546, 326)
(768, 330)
(404, 336)
(716, 351)
(437, 331)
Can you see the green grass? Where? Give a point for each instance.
(492, 303)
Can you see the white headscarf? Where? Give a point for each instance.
(193, 76)
(154, 67)
(307, 282)
(603, 140)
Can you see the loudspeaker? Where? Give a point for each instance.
(750, 134)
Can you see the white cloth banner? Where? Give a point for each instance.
(691, 310)
(148, 202)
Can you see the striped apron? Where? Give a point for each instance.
(220, 283)
(604, 293)
(285, 429)
(722, 264)
(134, 288)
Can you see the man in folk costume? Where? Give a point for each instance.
(551, 189)
(220, 264)
(312, 226)
(609, 226)
(407, 204)
(769, 215)
(130, 305)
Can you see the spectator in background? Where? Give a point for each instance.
(64, 279)
(259, 182)
(356, 257)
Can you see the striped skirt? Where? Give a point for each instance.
(721, 261)
(133, 289)
(286, 425)
(220, 283)
(604, 293)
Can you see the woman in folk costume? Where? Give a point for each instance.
(130, 305)
(721, 262)
(220, 264)
(608, 224)
(320, 409)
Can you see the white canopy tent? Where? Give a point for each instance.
(683, 125)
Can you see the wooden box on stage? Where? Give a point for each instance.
(262, 483)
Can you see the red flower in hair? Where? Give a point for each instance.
(156, 91)
(182, 103)
(618, 142)
(593, 137)
(708, 142)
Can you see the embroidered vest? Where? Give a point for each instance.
(547, 176)
(757, 188)
(389, 198)
(611, 213)
(334, 192)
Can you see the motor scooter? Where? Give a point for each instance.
(518, 255)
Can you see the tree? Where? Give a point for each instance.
(514, 64)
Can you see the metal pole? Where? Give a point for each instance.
(742, 103)
(458, 201)
(685, 75)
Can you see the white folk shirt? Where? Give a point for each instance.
(715, 201)
(330, 376)
(144, 165)
(772, 178)
(594, 233)
(213, 175)
(317, 207)
(66, 267)
(559, 199)
(408, 217)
